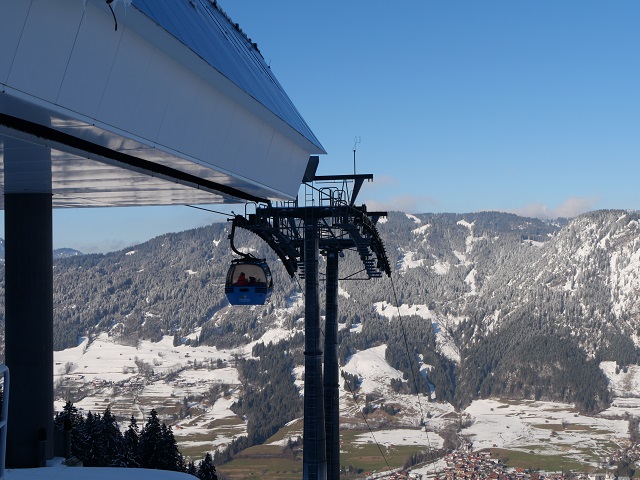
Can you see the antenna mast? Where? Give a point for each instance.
(356, 141)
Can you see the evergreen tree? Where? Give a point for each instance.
(95, 453)
(151, 446)
(98, 441)
(129, 456)
(206, 469)
(71, 419)
(68, 418)
(270, 399)
(79, 440)
(112, 436)
(173, 458)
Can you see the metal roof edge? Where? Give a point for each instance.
(159, 36)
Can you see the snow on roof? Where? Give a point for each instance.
(57, 471)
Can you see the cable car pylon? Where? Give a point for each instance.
(298, 235)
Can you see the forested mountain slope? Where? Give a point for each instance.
(490, 303)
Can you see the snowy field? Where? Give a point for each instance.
(112, 375)
(421, 439)
(622, 384)
(110, 372)
(545, 428)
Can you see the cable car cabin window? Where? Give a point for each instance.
(249, 283)
(243, 275)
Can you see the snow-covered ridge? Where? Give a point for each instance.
(371, 366)
(408, 260)
(449, 271)
(421, 230)
(440, 325)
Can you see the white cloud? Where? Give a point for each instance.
(376, 197)
(104, 245)
(403, 203)
(570, 208)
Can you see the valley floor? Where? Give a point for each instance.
(193, 388)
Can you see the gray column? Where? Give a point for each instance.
(331, 376)
(28, 303)
(314, 462)
(29, 326)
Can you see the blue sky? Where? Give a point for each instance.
(531, 107)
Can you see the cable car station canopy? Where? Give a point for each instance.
(118, 103)
(175, 97)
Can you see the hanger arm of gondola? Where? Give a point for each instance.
(232, 243)
(278, 243)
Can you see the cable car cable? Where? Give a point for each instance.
(355, 398)
(211, 211)
(415, 381)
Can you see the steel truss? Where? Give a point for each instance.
(327, 224)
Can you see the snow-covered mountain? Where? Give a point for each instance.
(479, 305)
(532, 309)
(66, 252)
(57, 253)
(462, 282)
(592, 265)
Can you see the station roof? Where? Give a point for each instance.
(207, 30)
(176, 105)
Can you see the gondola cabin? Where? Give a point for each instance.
(249, 282)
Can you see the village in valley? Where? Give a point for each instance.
(467, 464)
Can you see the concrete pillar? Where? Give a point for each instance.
(29, 303)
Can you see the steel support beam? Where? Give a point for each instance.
(23, 130)
(314, 461)
(302, 232)
(331, 377)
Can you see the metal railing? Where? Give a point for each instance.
(5, 415)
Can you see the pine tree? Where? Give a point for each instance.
(129, 456)
(79, 440)
(151, 446)
(98, 442)
(112, 436)
(95, 454)
(68, 418)
(71, 420)
(173, 458)
(206, 469)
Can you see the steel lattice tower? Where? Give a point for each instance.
(327, 224)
